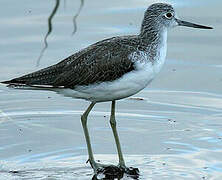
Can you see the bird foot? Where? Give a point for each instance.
(111, 172)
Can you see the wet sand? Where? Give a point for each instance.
(170, 130)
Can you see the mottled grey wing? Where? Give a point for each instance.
(44, 76)
(47, 75)
(107, 62)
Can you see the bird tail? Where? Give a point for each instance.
(40, 79)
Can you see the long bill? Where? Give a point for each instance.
(188, 24)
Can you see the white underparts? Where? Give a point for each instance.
(129, 84)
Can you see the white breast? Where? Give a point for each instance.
(161, 55)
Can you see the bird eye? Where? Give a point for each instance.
(169, 15)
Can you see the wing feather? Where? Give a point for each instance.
(105, 60)
(104, 64)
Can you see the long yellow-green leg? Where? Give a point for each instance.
(113, 125)
(89, 147)
(95, 165)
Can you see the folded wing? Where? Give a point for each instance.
(106, 60)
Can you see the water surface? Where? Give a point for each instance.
(170, 130)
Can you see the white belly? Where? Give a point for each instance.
(128, 85)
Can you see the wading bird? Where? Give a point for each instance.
(110, 70)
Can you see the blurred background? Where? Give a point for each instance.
(170, 130)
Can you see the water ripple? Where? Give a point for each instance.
(186, 166)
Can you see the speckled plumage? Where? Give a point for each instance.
(119, 60)
(109, 70)
(106, 60)
(103, 61)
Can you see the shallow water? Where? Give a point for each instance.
(170, 130)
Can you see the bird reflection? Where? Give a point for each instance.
(50, 27)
